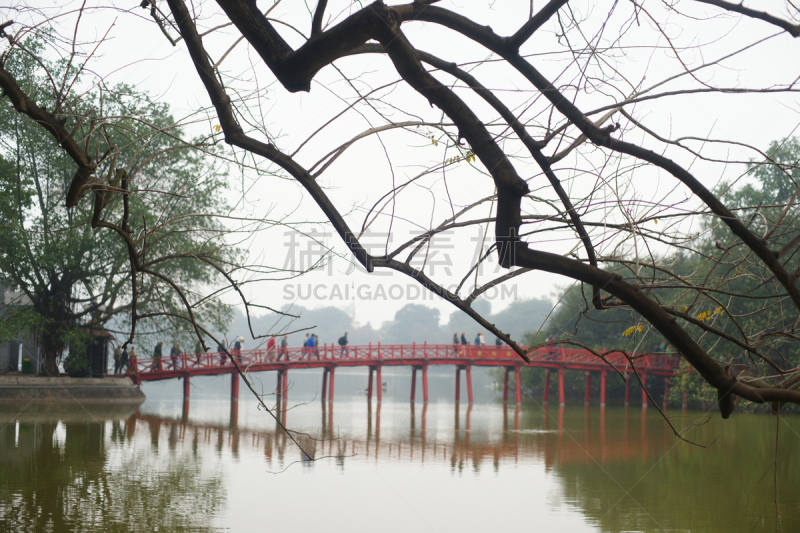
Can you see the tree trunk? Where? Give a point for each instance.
(50, 349)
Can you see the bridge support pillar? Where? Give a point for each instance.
(458, 384)
(603, 375)
(332, 375)
(413, 383)
(369, 385)
(469, 383)
(666, 391)
(518, 385)
(425, 384)
(285, 385)
(505, 385)
(546, 385)
(644, 392)
(235, 387)
(379, 384)
(234, 417)
(325, 382)
(628, 391)
(186, 388)
(561, 385)
(587, 396)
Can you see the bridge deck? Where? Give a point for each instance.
(415, 355)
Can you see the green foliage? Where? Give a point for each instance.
(767, 204)
(73, 274)
(76, 363)
(722, 286)
(698, 392)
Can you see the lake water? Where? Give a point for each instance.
(389, 467)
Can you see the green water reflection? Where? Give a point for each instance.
(609, 470)
(80, 472)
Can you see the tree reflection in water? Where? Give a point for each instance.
(82, 473)
(620, 469)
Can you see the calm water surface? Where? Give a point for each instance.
(209, 466)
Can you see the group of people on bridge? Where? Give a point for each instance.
(479, 341)
(275, 350)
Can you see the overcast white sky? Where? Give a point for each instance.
(137, 53)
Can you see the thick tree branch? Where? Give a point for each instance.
(235, 136)
(54, 125)
(319, 13)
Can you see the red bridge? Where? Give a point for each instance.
(417, 356)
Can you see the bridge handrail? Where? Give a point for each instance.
(378, 352)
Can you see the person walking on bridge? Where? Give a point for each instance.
(125, 359)
(551, 349)
(157, 356)
(237, 349)
(343, 344)
(117, 356)
(221, 350)
(310, 345)
(174, 354)
(455, 344)
(284, 348)
(198, 351)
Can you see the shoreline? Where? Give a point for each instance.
(17, 387)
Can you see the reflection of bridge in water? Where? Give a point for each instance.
(589, 442)
(417, 356)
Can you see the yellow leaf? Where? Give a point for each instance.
(655, 220)
(217, 127)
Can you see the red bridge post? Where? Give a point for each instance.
(285, 385)
(369, 385)
(186, 387)
(458, 384)
(644, 391)
(518, 384)
(603, 375)
(628, 390)
(379, 384)
(235, 387)
(330, 390)
(546, 385)
(185, 413)
(469, 383)
(588, 388)
(413, 383)
(234, 416)
(505, 385)
(561, 385)
(425, 384)
(324, 382)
